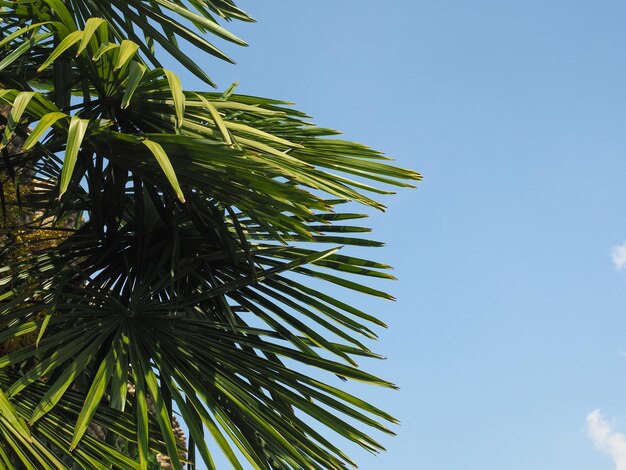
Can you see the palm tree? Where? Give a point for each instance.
(165, 251)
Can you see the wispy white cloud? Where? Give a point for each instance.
(606, 439)
(618, 255)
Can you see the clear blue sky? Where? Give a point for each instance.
(511, 316)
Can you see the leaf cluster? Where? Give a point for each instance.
(203, 224)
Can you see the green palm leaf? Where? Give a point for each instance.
(168, 251)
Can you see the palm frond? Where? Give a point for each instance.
(175, 242)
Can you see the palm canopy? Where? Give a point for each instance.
(172, 241)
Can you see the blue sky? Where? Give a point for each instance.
(510, 329)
